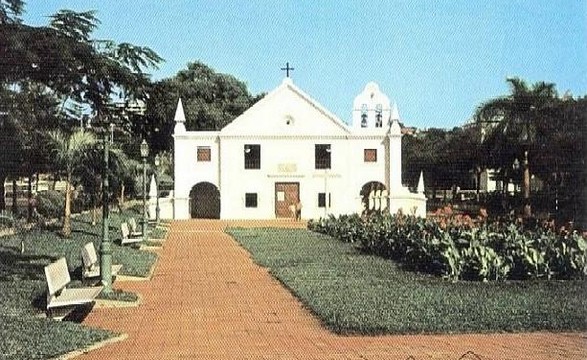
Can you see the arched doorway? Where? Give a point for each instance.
(373, 197)
(205, 201)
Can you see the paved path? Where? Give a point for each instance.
(207, 300)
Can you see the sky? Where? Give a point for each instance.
(437, 60)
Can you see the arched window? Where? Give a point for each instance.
(364, 116)
(378, 116)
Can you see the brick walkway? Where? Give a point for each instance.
(207, 300)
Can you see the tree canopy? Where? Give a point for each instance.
(45, 69)
(210, 100)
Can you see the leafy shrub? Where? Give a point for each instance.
(51, 203)
(459, 247)
(6, 221)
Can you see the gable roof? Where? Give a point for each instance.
(286, 111)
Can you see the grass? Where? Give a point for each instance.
(23, 287)
(355, 293)
(36, 338)
(119, 295)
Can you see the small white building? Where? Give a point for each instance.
(288, 149)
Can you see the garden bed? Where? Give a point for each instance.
(357, 293)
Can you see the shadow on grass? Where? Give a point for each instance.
(79, 313)
(24, 267)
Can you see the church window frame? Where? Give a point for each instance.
(370, 155)
(251, 200)
(322, 200)
(364, 116)
(252, 156)
(203, 154)
(322, 156)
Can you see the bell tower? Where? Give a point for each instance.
(371, 110)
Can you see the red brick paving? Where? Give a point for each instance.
(208, 300)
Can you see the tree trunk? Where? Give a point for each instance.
(2, 192)
(94, 209)
(478, 187)
(67, 219)
(14, 198)
(527, 208)
(121, 200)
(30, 198)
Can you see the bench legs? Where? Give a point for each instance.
(74, 312)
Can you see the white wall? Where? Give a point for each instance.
(188, 171)
(292, 160)
(287, 124)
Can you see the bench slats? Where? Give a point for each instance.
(90, 266)
(95, 271)
(127, 236)
(75, 296)
(58, 296)
(133, 227)
(57, 275)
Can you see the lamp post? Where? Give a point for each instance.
(112, 133)
(157, 209)
(515, 167)
(105, 246)
(144, 154)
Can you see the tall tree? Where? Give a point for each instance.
(210, 99)
(25, 113)
(68, 153)
(71, 65)
(519, 127)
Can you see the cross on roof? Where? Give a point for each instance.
(287, 69)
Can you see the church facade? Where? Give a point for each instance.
(288, 151)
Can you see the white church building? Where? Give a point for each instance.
(287, 149)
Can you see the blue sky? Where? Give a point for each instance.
(438, 60)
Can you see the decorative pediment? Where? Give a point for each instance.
(286, 111)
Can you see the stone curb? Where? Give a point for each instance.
(75, 353)
(105, 303)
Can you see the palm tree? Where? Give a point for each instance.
(516, 123)
(69, 152)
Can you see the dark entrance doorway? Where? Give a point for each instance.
(205, 201)
(286, 195)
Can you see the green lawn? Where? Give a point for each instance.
(356, 293)
(23, 287)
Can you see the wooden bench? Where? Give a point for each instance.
(90, 266)
(127, 236)
(61, 300)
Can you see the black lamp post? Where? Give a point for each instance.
(144, 155)
(157, 209)
(105, 246)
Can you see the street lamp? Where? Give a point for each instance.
(105, 246)
(144, 154)
(515, 167)
(157, 209)
(112, 133)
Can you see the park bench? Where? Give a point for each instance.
(133, 227)
(127, 236)
(61, 300)
(90, 266)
